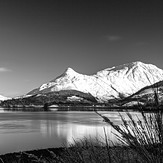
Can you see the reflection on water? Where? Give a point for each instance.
(73, 131)
(33, 130)
(1, 110)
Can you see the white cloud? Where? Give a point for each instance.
(112, 38)
(3, 69)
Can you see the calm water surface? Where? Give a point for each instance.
(34, 130)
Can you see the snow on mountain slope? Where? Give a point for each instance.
(2, 98)
(146, 95)
(110, 83)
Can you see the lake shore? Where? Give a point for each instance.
(32, 154)
(83, 108)
(57, 154)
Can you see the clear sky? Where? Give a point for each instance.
(40, 39)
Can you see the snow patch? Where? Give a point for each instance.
(74, 98)
(3, 98)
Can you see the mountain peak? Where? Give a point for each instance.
(137, 63)
(122, 66)
(133, 64)
(144, 65)
(70, 71)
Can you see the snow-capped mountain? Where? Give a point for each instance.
(111, 83)
(2, 98)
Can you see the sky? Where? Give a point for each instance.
(40, 39)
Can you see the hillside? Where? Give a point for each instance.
(146, 96)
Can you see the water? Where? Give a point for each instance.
(34, 130)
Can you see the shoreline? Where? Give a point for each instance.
(55, 154)
(15, 156)
(82, 108)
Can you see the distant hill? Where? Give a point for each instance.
(68, 97)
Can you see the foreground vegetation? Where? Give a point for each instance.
(83, 151)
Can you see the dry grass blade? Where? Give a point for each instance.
(144, 136)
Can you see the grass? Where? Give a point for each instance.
(83, 151)
(144, 137)
(89, 151)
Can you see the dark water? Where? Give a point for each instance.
(34, 130)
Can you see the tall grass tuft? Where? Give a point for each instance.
(144, 136)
